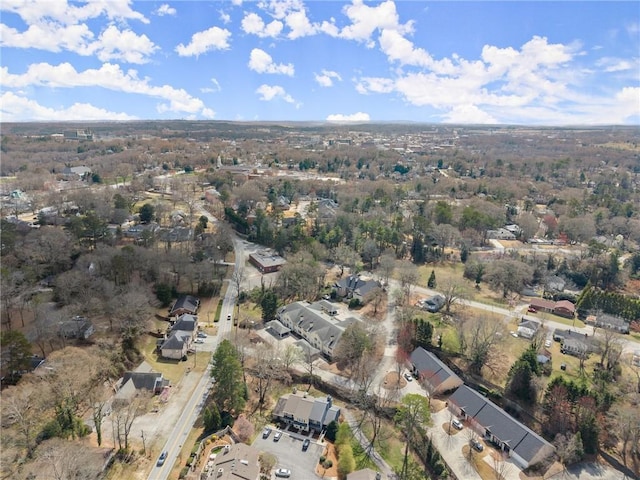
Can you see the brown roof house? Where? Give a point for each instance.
(563, 308)
(235, 462)
(266, 261)
(522, 444)
(433, 373)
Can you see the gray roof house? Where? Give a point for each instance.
(527, 328)
(355, 286)
(185, 304)
(311, 322)
(142, 378)
(522, 444)
(180, 337)
(78, 327)
(573, 343)
(432, 372)
(305, 412)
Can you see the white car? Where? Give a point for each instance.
(408, 377)
(547, 343)
(283, 473)
(457, 423)
(198, 340)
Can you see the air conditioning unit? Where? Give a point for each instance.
(220, 471)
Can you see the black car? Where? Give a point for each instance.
(162, 458)
(305, 444)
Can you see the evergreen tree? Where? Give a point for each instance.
(431, 283)
(269, 305)
(211, 418)
(229, 387)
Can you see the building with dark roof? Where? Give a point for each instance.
(437, 377)
(185, 304)
(311, 322)
(78, 328)
(180, 337)
(235, 462)
(355, 286)
(305, 412)
(495, 425)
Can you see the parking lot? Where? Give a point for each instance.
(288, 451)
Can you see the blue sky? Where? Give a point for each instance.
(479, 62)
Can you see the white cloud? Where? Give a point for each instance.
(61, 12)
(610, 64)
(468, 114)
(123, 45)
(273, 92)
(215, 38)
(165, 9)
(225, 18)
(325, 79)
(15, 108)
(299, 24)
(261, 62)
(253, 24)
(55, 36)
(109, 77)
(359, 117)
(216, 87)
(367, 20)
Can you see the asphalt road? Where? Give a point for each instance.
(191, 410)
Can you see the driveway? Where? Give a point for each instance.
(288, 451)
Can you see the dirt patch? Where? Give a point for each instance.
(330, 456)
(437, 405)
(450, 429)
(393, 381)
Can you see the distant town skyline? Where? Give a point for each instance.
(474, 62)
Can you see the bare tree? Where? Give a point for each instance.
(501, 468)
(408, 279)
(452, 292)
(22, 406)
(481, 340)
(266, 368)
(123, 415)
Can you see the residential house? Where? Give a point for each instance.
(305, 412)
(573, 343)
(266, 261)
(143, 378)
(528, 328)
(277, 329)
(565, 308)
(235, 462)
(610, 322)
(77, 328)
(355, 286)
(180, 337)
(312, 323)
(500, 234)
(542, 305)
(185, 304)
(76, 172)
(522, 444)
(434, 374)
(432, 304)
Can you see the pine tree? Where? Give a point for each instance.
(432, 280)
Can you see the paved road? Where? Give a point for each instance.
(185, 423)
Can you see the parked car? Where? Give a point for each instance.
(477, 445)
(456, 423)
(228, 318)
(266, 432)
(162, 458)
(283, 473)
(532, 310)
(277, 436)
(547, 343)
(305, 444)
(198, 340)
(408, 376)
(202, 335)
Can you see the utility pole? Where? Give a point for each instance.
(144, 447)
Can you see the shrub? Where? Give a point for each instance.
(327, 464)
(322, 459)
(183, 473)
